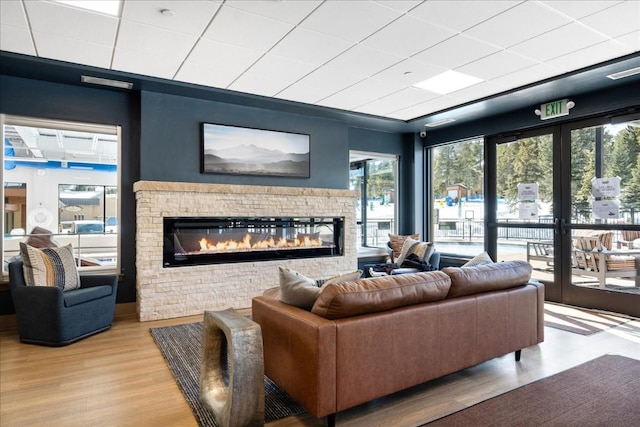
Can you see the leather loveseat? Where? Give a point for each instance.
(373, 337)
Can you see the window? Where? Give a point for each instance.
(61, 177)
(374, 175)
(457, 185)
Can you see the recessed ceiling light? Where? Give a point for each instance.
(439, 122)
(110, 7)
(106, 82)
(626, 73)
(447, 82)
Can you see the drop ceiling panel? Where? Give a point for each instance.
(246, 30)
(146, 64)
(291, 12)
(276, 71)
(353, 20)
(579, 9)
(364, 61)
(12, 14)
(518, 24)
(154, 41)
(456, 51)
(190, 16)
(409, 72)
(407, 36)
(297, 45)
(361, 93)
(69, 22)
(400, 5)
(460, 15)
(18, 40)
(396, 101)
(436, 104)
(73, 50)
(561, 41)
(498, 64)
(592, 55)
(615, 21)
(527, 75)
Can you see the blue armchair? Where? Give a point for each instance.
(48, 316)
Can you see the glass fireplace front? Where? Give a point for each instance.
(216, 240)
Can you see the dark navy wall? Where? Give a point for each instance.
(161, 137)
(36, 98)
(170, 141)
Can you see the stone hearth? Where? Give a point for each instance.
(175, 292)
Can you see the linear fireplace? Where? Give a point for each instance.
(216, 240)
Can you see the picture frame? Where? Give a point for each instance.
(236, 150)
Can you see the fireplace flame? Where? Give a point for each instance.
(247, 244)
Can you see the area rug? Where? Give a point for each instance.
(580, 320)
(181, 346)
(602, 392)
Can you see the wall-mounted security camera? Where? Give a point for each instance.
(423, 134)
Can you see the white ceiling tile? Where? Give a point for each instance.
(456, 51)
(579, 9)
(421, 109)
(284, 69)
(246, 29)
(361, 93)
(630, 41)
(560, 41)
(618, 20)
(297, 46)
(216, 63)
(134, 61)
(69, 22)
(73, 50)
(520, 23)
(527, 76)
(291, 12)
(398, 100)
(12, 14)
(400, 5)
(407, 36)
(307, 93)
(588, 56)
(364, 61)
(496, 65)
(206, 74)
(258, 84)
(325, 81)
(409, 72)
(18, 40)
(460, 15)
(478, 91)
(351, 20)
(154, 41)
(191, 16)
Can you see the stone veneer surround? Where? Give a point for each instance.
(164, 293)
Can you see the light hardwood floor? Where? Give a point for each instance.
(119, 378)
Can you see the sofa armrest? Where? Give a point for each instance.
(299, 353)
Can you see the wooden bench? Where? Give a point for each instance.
(591, 257)
(541, 250)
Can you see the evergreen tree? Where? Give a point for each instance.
(630, 195)
(444, 169)
(625, 150)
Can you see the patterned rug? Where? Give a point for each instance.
(181, 346)
(580, 320)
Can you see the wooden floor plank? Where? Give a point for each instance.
(119, 378)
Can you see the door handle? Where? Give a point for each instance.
(560, 226)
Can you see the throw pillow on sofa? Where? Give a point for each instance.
(396, 241)
(340, 278)
(50, 267)
(291, 276)
(422, 250)
(297, 290)
(480, 259)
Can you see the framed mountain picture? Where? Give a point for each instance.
(247, 151)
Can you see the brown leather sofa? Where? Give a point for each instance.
(373, 337)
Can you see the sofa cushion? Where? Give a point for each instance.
(487, 277)
(380, 294)
(296, 289)
(82, 295)
(50, 267)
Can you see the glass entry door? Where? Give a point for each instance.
(567, 199)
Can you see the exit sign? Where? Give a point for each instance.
(554, 109)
